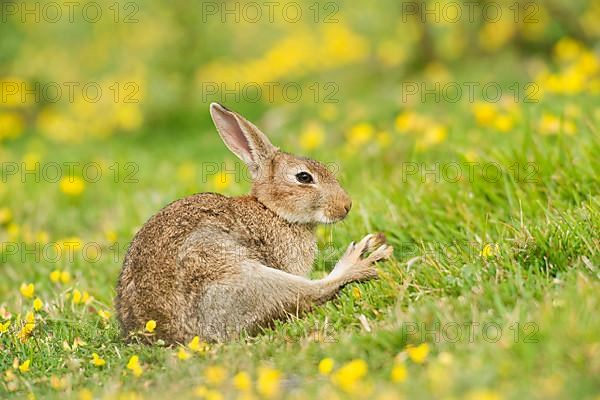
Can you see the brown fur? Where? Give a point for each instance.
(215, 266)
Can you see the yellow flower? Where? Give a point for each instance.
(567, 49)
(65, 277)
(418, 353)
(104, 314)
(489, 250)
(28, 328)
(360, 134)
(110, 236)
(27, 290)
(326, 366)
(214, 375)
(134, 365)
(348, 377)
(406, 121)
(55, 276)
(550, 124)
(312, 136)
(5, 215)
(85, 394)
(197, 346)
(485, 113)
(4, 326)
(97, 361)
(356, 292)
(483, 394)
(503, 122)
(268, 383)
(399, 373)
(150, 326)
(38, 304)
(242, 381)
(11, 125)
(72, 185)
(222, 180)
(182, 354)
(25, 366)
(204, 393)
(76, 296)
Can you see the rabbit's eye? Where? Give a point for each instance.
(304, 177)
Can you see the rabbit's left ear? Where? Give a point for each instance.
(241, 137)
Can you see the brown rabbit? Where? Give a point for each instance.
(215, 266)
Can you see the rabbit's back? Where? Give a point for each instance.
(195, 242)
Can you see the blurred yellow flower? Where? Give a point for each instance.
(418, 354)
(24, 367)
(399, 373)
(312, 136)
(215, 374)
(27, 290)
(134, 365)
(186, 172)
(268, 383)
(348, 377)
(567, 49)
(97, 361)
(11, 125)
(197, 346)
(504, 122)
(326, 366)
(85, 394)
(494, 35)
(242, 381)
(65, 277)
(76, 299)
(110, 236)
(182, 354)
(38, 304)
(356, 292)
(150, 326)
(27, 328)
(72, 185)
(485, 113)
(222, 180)
(5, 215)
(550, 124)
(55, 276)
(483, 394)
(489, 250)
(360, 134)
(104, 314)
(4, 326)
(405, 121)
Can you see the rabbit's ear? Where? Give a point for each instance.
(241, 137)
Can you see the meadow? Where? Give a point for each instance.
(491, 201)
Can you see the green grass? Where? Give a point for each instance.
(539, 286)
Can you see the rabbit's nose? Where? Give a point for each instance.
(348, 206)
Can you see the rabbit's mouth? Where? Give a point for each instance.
(323, 218)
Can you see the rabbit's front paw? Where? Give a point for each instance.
(358, 261)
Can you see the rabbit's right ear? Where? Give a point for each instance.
(241, 137)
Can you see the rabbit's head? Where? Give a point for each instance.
(298, 189)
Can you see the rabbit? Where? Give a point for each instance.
(218, 267)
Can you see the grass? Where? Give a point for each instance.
(497, 274)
